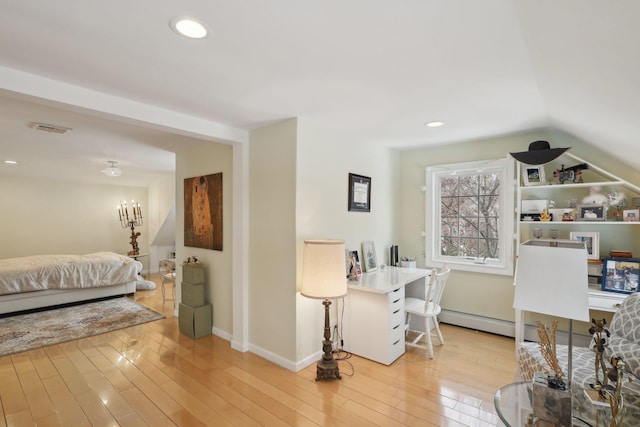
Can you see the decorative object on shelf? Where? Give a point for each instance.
(592, 213)
(572, 174)
(591, 241)
(620, 275)
(618, 200)
(620, 253)
(537, 233)
(131, 222)
(554, 233)
(545, 216)
(533, 175)
(354, 271)
(539, 153)
(369, 255)
(359, 193)
(203, 212)
(192, 261)
(323, 278)
(630, 215)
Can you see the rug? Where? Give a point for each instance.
(29, 331)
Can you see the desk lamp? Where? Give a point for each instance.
(551, 278)
(324, 277)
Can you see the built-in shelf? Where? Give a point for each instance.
(580, 223)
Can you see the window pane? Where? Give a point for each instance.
(449, 227)
(449, 207)
(469, 185)
(469, 207)
(449, 246)
(449, 186)
(489, 248)
(469, 247)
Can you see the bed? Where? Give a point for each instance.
(48, 280)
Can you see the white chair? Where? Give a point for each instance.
(427, 308)
(167, 270)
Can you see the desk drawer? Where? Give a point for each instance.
(396, 296)
(605, 302)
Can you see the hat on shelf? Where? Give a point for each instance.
(539, 153)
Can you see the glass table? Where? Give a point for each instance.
(514, 407)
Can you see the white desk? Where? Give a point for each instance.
(374, 317)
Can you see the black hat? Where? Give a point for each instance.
(539, 153)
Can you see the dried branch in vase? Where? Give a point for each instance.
(548, 350)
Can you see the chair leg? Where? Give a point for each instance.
(163, 293)
(427, 337)
(406, 324)
(435, 323)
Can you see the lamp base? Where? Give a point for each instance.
(327, 368)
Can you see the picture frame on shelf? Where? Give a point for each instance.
(620, 275)
(591, 241)
(354, 269)
(369, 256)
(592, 213)
(533, 175)
(359, 193)
(630, 215)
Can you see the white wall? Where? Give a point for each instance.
(206, 159)
(272, 240)
(59, 217)
(324, 161)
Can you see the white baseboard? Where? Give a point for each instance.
(506, 328)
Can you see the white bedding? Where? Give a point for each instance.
(45, 272)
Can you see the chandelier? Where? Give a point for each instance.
(112, 170)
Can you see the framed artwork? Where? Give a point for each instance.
(359, 193)
(354, 270)
(591, 213)
(620, 275)
(533, 175)
(630, 215)
(369, 256)
(203, 212)
(591, 241)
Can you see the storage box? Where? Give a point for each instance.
(533, 206)
(195, 322)
(193, 294)
(193, 274)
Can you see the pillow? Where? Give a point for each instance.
(145, 285)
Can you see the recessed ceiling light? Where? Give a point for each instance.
(434, 124)
(188, 27)
(11, 162)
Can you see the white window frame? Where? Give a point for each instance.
(504, 265)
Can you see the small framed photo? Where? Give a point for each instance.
(591, 241)
(620, 275)
(359, 193)
(630, 215)
(533, 175)
(591, 213)
(354, 271)
(369, 256)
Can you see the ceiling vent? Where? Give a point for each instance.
(50, 128)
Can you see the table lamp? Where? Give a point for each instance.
(324, 277)
(552, 278)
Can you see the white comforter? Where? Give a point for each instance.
(41, 272)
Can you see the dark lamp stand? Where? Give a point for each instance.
(327, 366)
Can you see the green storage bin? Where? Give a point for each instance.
(195, 322)
(193, 274)
(193, 294)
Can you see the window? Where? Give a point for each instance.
(470, 212)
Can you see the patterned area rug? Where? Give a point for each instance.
(29, 331)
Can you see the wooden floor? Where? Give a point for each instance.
(152, 375)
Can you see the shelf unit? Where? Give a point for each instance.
(610, 180)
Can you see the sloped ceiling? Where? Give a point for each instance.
(375, 69)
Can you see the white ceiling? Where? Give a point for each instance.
(375, 69)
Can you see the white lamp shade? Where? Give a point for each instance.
(552, 278)
(323, 269)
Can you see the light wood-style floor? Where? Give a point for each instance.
(153, 375)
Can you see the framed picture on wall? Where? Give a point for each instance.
(359, 193)
(369, 256)
(591, 241)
